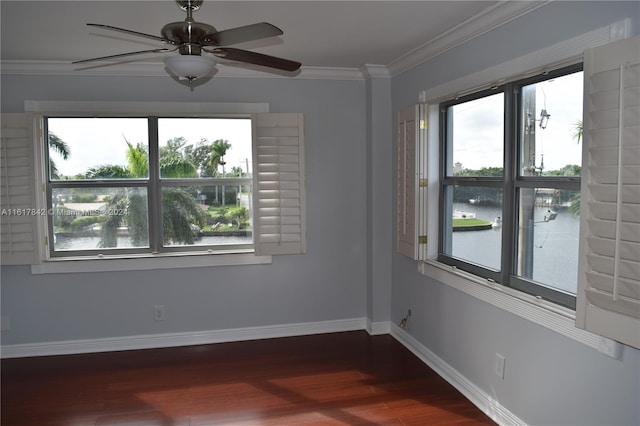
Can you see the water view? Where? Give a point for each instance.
(555, 251)
(92, 242)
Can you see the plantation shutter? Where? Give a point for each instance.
(17, 201)
(411, 237)
(279, 190)
(609, 284)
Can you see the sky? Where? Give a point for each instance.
(101, 141)
(478, 126)
(477, 132)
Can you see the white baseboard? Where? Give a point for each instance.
(477, 396)
(378, 327)
(151, 341)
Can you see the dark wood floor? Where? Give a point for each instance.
(332, 379)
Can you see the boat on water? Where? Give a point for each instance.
(497, 223)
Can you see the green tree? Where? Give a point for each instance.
(61, 147)
(577, 131)
(568, 170)
(137, 160)
(180, 211)
(107, 171)
(207, 156)
(219, 149)
(174, 146)
(240, 215)
(574, 207)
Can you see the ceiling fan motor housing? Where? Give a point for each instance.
(187, 35)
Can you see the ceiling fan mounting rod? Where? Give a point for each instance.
(189, 5)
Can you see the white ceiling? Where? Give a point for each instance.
(324, 34)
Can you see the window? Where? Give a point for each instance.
(510, 184)
(148, 184)
(160, 196)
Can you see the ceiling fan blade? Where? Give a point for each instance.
(136, 33)
(256, 58)
(241, 34)
(120, 55)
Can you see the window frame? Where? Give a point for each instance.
(154, 184)
(511, 182)
(43, 264)
(546, 314)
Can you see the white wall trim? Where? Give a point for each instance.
(481, 399)
(564, 53)
(91, 108)
(156, 69)
(487, 20)
(150, 341)
(378, 327)
(538, 311)
(374, 71)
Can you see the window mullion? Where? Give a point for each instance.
(154, 189)
(511, 130)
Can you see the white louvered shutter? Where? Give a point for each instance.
(279, 184)
(411, 182)
(608, 300)
(17, 201)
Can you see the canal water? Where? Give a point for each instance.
(555, 251)
(91, 243)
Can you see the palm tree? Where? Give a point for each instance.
(61, 147)
(574, 207)
(577, 131)
(219, 150)
(179, 209)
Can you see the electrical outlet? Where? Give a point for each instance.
(499, 370)
(158, 313)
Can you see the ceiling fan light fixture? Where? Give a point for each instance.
(190, 66)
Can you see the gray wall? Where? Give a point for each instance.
(549, 379)
(327, 283)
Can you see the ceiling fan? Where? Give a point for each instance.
(191, 39)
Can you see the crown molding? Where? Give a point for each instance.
(501, 13)
(481, 23)
(374, 71)
(156, 69)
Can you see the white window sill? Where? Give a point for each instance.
(541, 312)
(147, 262)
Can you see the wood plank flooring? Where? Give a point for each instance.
(346, 378)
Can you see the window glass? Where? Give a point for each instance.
(548, 233)
(103, 196)
(474, 232)
(98, 148)
(215, 215)
(204, 147)
(523, 234)
(95, 218)
(552, 127)
(475, 137)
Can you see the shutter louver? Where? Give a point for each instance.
(609, 290)
(279, 190)
(18, 220)
(406, 181)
